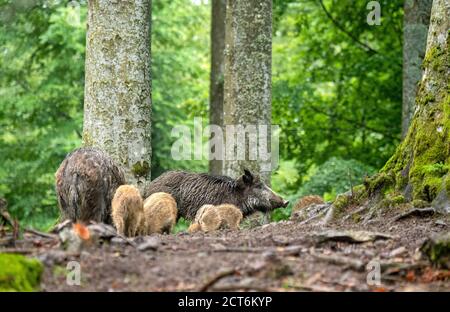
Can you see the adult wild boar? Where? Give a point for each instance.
(193, 190)
(85, 185)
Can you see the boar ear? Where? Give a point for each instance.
(245, 180)
(248, 177)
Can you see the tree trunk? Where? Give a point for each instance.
(117, 102)
(415, 28)
(419, 169)
(248, 74)
(218, 9)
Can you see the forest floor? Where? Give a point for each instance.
(282, 256)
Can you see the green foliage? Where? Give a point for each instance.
(42, 85)
(285, 182)
(331, 96)
(18, 273)
(180, 76)
(335, 176)
(281, 214)
(41, 91)
(181, 226)
(285, 179)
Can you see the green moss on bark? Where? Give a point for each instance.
(422, 161)
(418, 172)
(141, 169)
(434, 58)
(343, 201)
(379, 183)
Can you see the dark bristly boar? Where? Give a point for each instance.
(85, 185)
(193, 190)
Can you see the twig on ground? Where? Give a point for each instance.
(284, 251)
(329, 216)
(16, 251)
(42, 234)
(59, 226)
(6, 241)
(129, 241)
(359, 210)
(242, 249)
(309, 288)
(217, 278)
(419, 212)
(354, 264)
(320, 214)
(126, 239)
(349, 174)
(4, 214)
(235, 287)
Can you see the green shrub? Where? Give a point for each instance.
(182, 225)
(335, 176)
(18, 273)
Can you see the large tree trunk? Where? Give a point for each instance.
(420, 167)
(117, 103)
(248, 87)
(415, 28)
(218, 9)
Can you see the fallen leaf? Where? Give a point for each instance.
(37, 243)
(430, 275)
(410, 276)
(350, 236)
(82, 231)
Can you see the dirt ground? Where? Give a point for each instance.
(283, 256)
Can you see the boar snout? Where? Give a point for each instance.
(277, 201)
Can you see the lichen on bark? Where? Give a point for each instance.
(117, 105)
(218, 13)
(415, 28)
(247, 82)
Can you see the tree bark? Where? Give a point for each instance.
(420, 167)
(218, 12)
(248, 74)
(117, 102)
(415, 29)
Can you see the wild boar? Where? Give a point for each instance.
(193, 190)
(306, 201)
(127, 210)
(86, 182)
(160, 214)
(211, 218)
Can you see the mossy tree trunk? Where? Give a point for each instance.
(415, 29)
(419, 169)
(218, 9)
(117, 103)
(248, 74)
